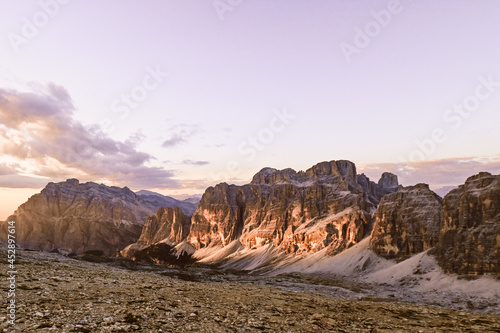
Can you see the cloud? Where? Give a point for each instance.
(175, 140)
(436, 173)
(180, 134)
(19, 181)
(6, 170)
(39, 131)
(135, 138)
(199, 163)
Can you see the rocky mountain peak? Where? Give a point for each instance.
(301, 212)
(168, 225)
(273, 176)
(74, 217)
(469, 241)
(388, 180)
(481, 180)
(347, 170)
(72, 182)
(416, 187)
(406, 222)
(324, 172)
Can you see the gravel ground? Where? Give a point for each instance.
(60, 294)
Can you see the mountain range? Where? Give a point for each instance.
(71, 217)
(280, 219)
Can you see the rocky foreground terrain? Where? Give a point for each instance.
(60, 294)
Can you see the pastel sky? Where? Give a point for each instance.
(176, 96)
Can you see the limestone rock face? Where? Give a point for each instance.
(74, 217)
(406, 222)
(167, 225)
(327, 206)
(388, 183)
(469, 242)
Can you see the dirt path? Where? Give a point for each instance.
(59, 294)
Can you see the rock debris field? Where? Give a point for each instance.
(59, 294)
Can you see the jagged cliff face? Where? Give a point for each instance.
(406, 222)
(327, 206)
(167, 225)
(388, 183)
(469, 241)
(74, 217)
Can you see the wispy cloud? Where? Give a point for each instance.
(180, 134)
(6, 170)
(198, 163)
(175, 140)
(38, 130)
(436, 173)
(135, 138)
